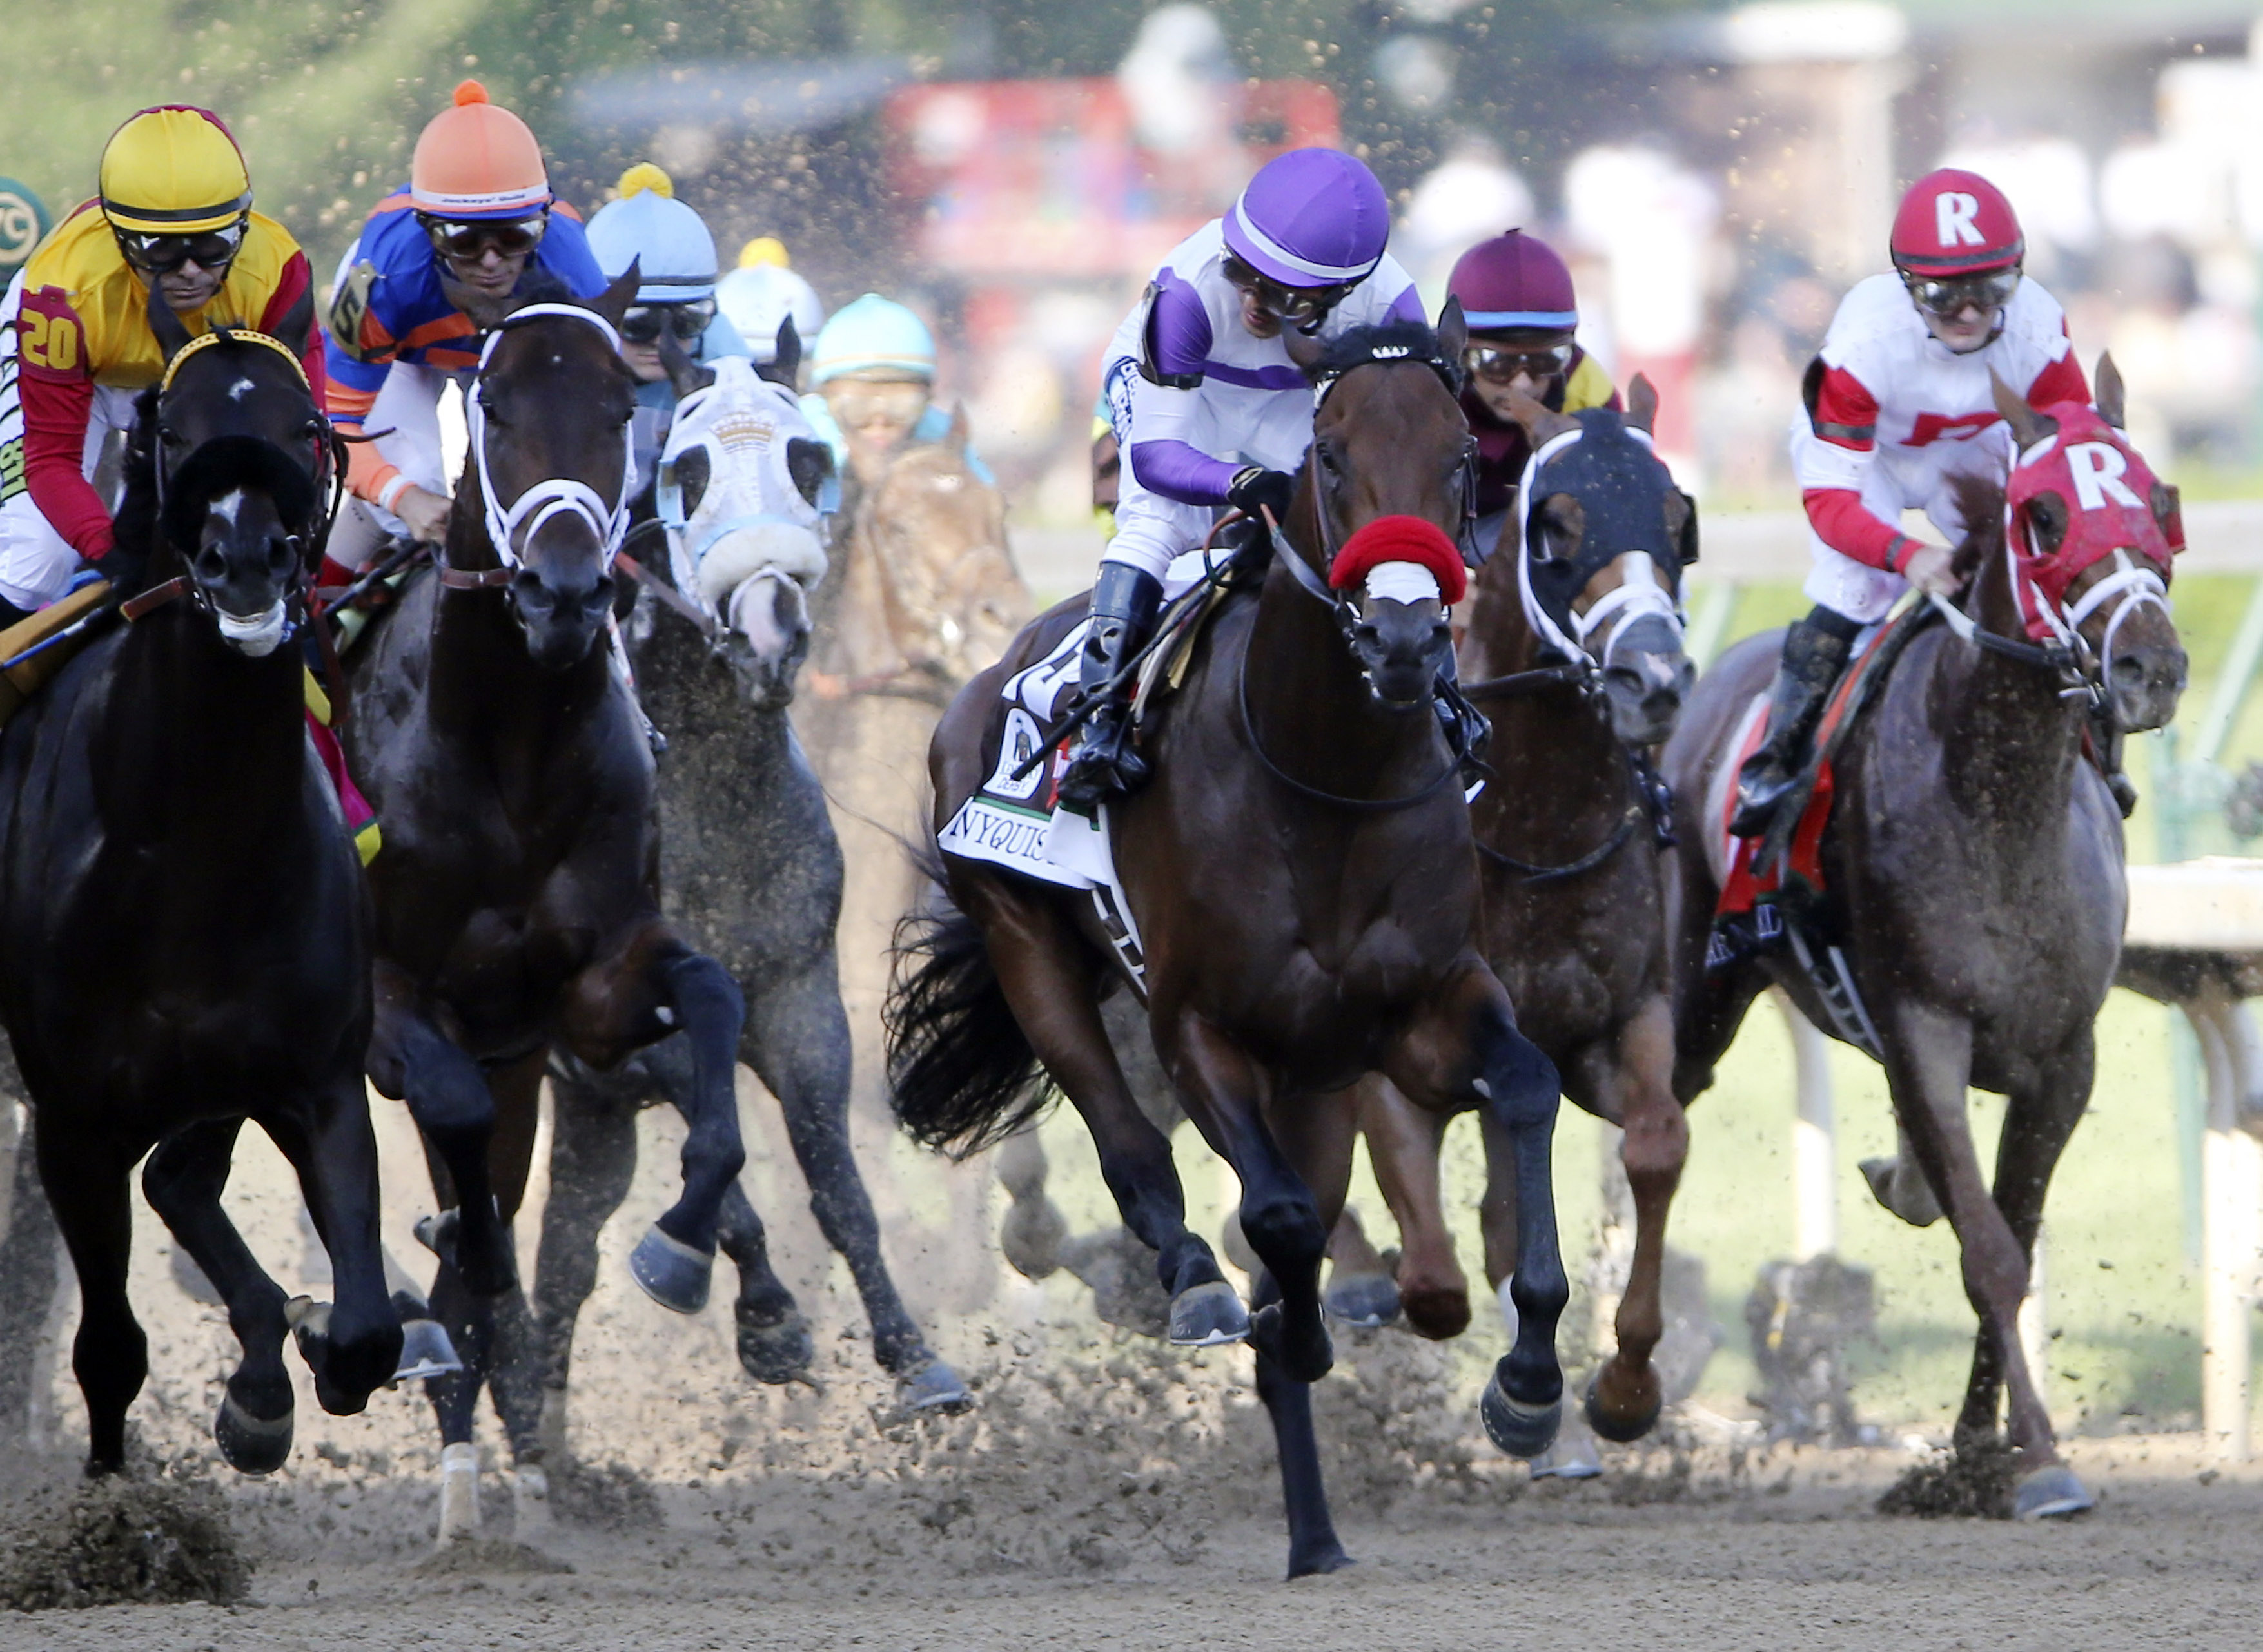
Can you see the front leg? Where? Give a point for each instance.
(1625, 1398)
(650, 988)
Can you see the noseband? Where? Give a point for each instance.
(553, 496)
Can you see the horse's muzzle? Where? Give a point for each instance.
(1647, 681)
(767, 637)
(560, 614)
(1402, 648)
(2146, 681)
(245, 570)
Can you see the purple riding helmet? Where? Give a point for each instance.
(1310, 218)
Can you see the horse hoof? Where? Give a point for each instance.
(1364, 1301)
(2052, 1492)
(1436, 1315)
(1567, 1458)
(425, 1351)
(530, 1502)
(780, 1352)
(252, 1445)
(459, 1493)
(487, 1270)
(671, 1273)
(1620, 1431)
(1324, 1558)
(1521, 1429)
(1902, 1190)
(1305, 1362)
(438, 1235)
(934, 1386)
(1205, 1315)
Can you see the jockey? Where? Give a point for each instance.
(873, 374)
(1898, 405)
(675, 258)
(476, 217)
(1207, 408)
(1516, 296)
(762, 292)
(172, 223)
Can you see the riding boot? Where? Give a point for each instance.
(1813, 656)
(1125, 599)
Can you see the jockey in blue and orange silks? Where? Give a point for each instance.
(476, 217)
(1207, 408)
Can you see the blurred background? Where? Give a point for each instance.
(1717, 177)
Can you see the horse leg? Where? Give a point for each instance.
(1405, 1145)
(1465, 1049)
(798, 1043)
(1034, 1228)
(87, 1190)
(592, 1162)
(2037, 1125)
(352, 1344)
(1929, 1066)
(1048, 977)
(1625, 1399)
(656, 980)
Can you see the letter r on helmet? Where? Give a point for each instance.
(1954, 213)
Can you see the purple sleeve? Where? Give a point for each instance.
(1178, 329)
(1408, 307)
(1178, 472)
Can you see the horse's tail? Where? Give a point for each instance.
(961, 1074)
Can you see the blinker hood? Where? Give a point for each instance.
(1622, 487)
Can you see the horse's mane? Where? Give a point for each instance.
(539, 286)
(1354, 347)
(1981, 500)
(134, 529)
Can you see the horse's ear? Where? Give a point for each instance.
(613, 303)
(297, 325)
(785, 368)
(1642, 405)
(1304, 349)
(172, 336)
(2028, 427)
(684, 375)
(2111, 399)
(956, 438)
(1453, 333)
(1542, 423)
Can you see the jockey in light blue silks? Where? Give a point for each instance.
(872, 387)
(675, 258)
(1209, 411)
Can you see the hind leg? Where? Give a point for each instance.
(798, 1043)
(592, 1162)
(183, 1181)
(88, 1191)
(1404, 1145)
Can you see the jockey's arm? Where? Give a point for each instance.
(58, 402)
(1167, 405)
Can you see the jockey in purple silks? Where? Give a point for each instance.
(1209, 410)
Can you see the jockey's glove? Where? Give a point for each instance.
(1255, 487)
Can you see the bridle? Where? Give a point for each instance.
(552, 497)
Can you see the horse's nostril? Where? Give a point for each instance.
(212, 564)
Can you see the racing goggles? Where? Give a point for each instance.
(1501, 365)
(1297, 306)
(1949, 295)
(162, 255)
(644, 324)
(857, 402)
(467, 239)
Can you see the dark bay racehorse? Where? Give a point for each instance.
(1973, 862)
(1574, 650)
(751, 874)
(518, 895)
(184, 937)
(1304, 883)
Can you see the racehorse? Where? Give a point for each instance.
(517, 896)
(1972, 863)
(923, 594)
(1301, 878)
(750, 872)
(186, 933)
(1574, 647)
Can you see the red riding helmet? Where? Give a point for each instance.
(1956, 223)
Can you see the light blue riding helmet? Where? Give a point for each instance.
(874, 334)
(648, 224)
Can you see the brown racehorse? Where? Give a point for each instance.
(1973, 862)
(1574, 882)
(518, 895)
(1301, 873)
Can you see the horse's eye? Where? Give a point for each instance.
(169, 436)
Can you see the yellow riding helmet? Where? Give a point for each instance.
(173, 170)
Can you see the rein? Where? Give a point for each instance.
(1457, 753)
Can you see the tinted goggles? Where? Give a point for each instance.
(1949, 295)
(162, 255)
(1500, 365)
(1299, 305)
(469, 238)
(643, 323)
(856, 402)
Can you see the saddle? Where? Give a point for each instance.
(34, 649)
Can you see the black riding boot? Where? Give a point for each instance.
(1814, 654)
(1124, 602)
